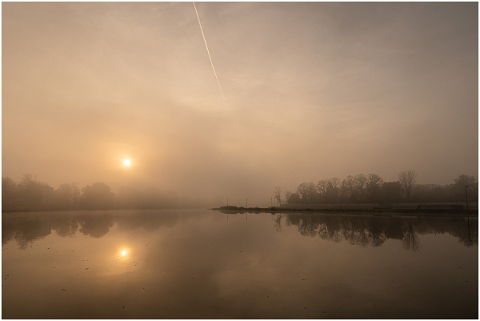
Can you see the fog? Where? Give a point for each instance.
(312, 91)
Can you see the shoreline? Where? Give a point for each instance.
(347, 210)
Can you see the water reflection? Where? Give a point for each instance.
(366, 230)
(26, 228)
(410, 239)
(363, 230)
(196, 264)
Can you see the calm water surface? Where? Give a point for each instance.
(206, 264)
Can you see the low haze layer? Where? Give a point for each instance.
(312, 91)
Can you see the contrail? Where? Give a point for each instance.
(208, 51)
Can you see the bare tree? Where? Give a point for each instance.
(312, 191)
(407, 180)
(287, 196)
(348, 189)
(322, 187)
(33, 191)
(360, 185)
(302, 192)
(333, 188)
(374, 187)
(277, 194)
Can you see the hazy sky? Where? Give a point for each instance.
(312, 91)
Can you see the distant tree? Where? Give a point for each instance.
(392, 192)
(329, 189)
(465, 180)
(66, 196)
(322, 188)
(436, 193)
(430, 193)
(332, 190)
(374, 187)
(311, 190)
(96, 196)
(26, 179)
(277, 194)
(457, 190)
(294, 198)
(9, 190)
(302, 192)
(287, 196)
(407, 180)
(32, 191)
(348, 189)
(307, 192)
(360, 182)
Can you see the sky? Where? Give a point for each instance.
(310, 91)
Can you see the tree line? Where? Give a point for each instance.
(372, 189)
(30, 194)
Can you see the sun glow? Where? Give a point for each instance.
(127, 162)
(123, 253)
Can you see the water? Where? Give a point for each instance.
(206, 264)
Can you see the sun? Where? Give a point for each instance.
(124, 253)
(127, 163)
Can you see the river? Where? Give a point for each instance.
(206, 264)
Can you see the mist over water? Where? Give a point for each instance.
(312, 91)
(122, 123)
(205, 264)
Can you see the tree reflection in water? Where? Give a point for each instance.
(65, 225)
(369, 230)
(410, 239)
(278, 222)
(363, 230)
(25, 230)
(28, 228)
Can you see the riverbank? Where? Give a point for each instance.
(349, 210)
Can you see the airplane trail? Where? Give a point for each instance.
(208, 51)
